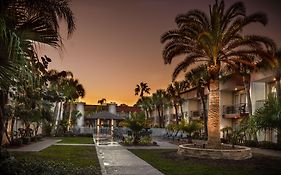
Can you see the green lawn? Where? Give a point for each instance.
(170, 164)
(81, 140)
(81, 157)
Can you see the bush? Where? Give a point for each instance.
(145, 140)
(16, 142)
(269, 145)
(33, 139)
(47, 129)
(251, 143)
(69, 134)
(26, 140)
(8, 164)
(128, 141)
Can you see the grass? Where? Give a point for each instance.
(78, 140)
(169, 163)
(78, 156)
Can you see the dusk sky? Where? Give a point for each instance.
(117, 43)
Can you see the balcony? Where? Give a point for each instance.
(196, 115)
(235, 111)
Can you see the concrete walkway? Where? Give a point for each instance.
(117, 160)
(35, 147)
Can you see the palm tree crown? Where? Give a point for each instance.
(217, 42)
(141, 89)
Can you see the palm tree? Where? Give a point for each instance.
(73, 91)
(277, 72)
(141, 89)
(199, 78)
(174, 91)
(159, 99)
(215, 41)
(269, 116)
(102, 101)
(146, 104)
(30, 22)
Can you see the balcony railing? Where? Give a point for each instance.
(197, 114)
(241, 108)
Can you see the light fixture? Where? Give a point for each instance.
(236, 89)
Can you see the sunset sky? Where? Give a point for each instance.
(117, 43)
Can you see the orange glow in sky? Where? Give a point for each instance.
(117, 43)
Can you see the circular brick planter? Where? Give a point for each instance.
(239, 153)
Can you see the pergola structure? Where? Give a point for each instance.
(103, 119)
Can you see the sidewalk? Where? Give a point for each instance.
(117, 160)
(35, 147)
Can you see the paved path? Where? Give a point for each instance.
(117, 160)
(35, 147)
(74, 144)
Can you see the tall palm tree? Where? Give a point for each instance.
(30, 22)
(277, 73)
(73, 91)
(146, 104)
(198, 78)
(215, 40)
(102, 101)
(141, 89)
(159, 99)
(173, 91)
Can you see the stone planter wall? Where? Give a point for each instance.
(240, 153)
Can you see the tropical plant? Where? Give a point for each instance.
(141, 89)
(199, 78)
(26, 23)
(146, 104)
(136, 123)
(159, 99)
(174, 91)
(102, 101)
(269, 116)
(216, 41)
(190, 128)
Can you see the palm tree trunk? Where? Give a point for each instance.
(278, 88)
(159, 117)
(12, 128)
(213, 115)
(162, 116)
(70, 113)
(3, 102)
(246, 81)
(278, 94)
(176, 114)
(181, 111)
(205, 118)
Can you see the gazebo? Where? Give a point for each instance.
(104, 120)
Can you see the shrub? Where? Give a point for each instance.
(128, 140)
(251, 143)
(26, 140)
(8, 164)
(146, 140)
(269, 145)
(33, 139)
(16, 142)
